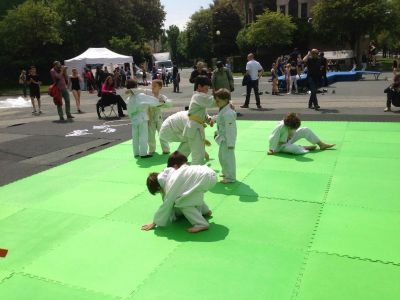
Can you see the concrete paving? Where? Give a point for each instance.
(30, 143)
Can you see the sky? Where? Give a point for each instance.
(179, 11)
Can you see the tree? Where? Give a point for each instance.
(140, 51)
(199, 36)
(270, 29)
(348, 20)
(27, 29)
(226, 24)
(172, 37)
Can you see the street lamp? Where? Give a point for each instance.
(71, 23)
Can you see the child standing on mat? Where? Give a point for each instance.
(138, 106)
(288, 132)
(156, 117)
(198, 118)
(182, 188)
(226, 136)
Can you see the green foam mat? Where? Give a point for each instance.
(324, 225)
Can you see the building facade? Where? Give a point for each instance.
(295, 8)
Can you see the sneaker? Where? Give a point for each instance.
(79, 111)
(259, 106)
(244, 106)
(387, 109)
(317, 107)
(34, 112)
(40, 112)
(62, 119)
(70, 117)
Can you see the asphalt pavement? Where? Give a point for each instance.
(32, 143)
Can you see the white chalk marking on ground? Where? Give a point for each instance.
(78, 132)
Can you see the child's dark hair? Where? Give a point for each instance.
(131, 84)
(223, 94)
(203, 80)
(152, 183)
(292, 120)
(176, 159)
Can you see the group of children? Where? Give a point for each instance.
(182, 186)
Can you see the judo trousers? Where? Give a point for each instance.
(140, 138)
(228, 162)
(300, 133)
(196, 144)
(194, 214)
(154, 126)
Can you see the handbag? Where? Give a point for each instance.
(246, 80)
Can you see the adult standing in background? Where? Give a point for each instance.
(176, 78)
(59, 75)
(222, 78)
(34, 89)
(22, 82)
(199, 70)
(76, 80)
(313, 76)
(255, 71)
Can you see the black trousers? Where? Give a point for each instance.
(313, 86)
(110, 98)
(252, 85)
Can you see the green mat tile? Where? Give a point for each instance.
(374, 150)
(359, 232)
(91, 198)
(287, 185)
(9, 209)
(364, 191)
(330, 277)
(110, 257)
(76, 228)
(30, 233)
(216, 271)
(33, 288)
(284, 223)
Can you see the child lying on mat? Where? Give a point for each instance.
(288, 132)
(182, 188)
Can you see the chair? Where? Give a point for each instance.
(106, 110)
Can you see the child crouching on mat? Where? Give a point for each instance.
(288, 132)
(393, 94)
(226, 135)
(182, 188)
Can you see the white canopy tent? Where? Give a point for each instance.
(94, 56)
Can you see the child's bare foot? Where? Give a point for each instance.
(310, 148)
(324, 146)
(207, 157)
(197, 229)
(225, 181)
(222, 175)
(209, 214)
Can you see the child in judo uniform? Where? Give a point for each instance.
(156, 118)
(138, 106)
(226, 136)
(288, 132)
(172, 131)
(198, 118)
(182, 189)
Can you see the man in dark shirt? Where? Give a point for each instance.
(313, 76)
(196, 72)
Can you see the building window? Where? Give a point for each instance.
(304, 10)
(282, 9)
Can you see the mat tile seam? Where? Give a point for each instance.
(365, 259)
(308, 251)
(9, 276)
(149, 275)
(25, 274)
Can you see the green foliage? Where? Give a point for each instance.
(25, 30)
(348, 20)
(226, 21)
(198, 33)
(271, 29)
(172, 37)
(140, 51)
(8, 4)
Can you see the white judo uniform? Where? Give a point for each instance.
(226, 138)
(172, 131)
(184, 190)
(282, 139)
(138, 106)
(155, 121)
(194, 129)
